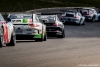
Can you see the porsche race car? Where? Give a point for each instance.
(28, 26)
(73, 17)
(7, 33)
(54, 26)
(90, 14)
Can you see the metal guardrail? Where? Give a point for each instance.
(4, 13)
(47, 9)
(57, 8)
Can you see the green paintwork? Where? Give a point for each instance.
(25, 21)
(38, 35)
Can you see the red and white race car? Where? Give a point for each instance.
(7, 33)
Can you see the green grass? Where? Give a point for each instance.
(25, 5)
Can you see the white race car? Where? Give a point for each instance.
(28, 26)
(89, 14)
(7, 33)
(54, 26)
(73, 17)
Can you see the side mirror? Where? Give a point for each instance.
(8, 19)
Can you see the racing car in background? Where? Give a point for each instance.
(27, 25)
(54, 26)
(90, 14)
(73, 17)
(7, 33)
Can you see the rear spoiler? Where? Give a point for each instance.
(31, 13)
(78, 9)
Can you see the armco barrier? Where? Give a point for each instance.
(55, 10)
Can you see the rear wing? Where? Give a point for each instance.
(53, 13)
(22, 13)
(78, 9)
(29, 13)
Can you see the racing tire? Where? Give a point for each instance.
(84, 23)
(93, 19)
(2, 38)
(45, 37)
(61, 36)
(13, 40)
(80, 22)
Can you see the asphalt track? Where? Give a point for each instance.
(80, 48)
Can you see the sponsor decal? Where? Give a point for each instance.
(38, 35)
(16, 20)
(25, 21)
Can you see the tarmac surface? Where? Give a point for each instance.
(80, 48)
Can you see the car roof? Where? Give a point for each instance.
(20, 14)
